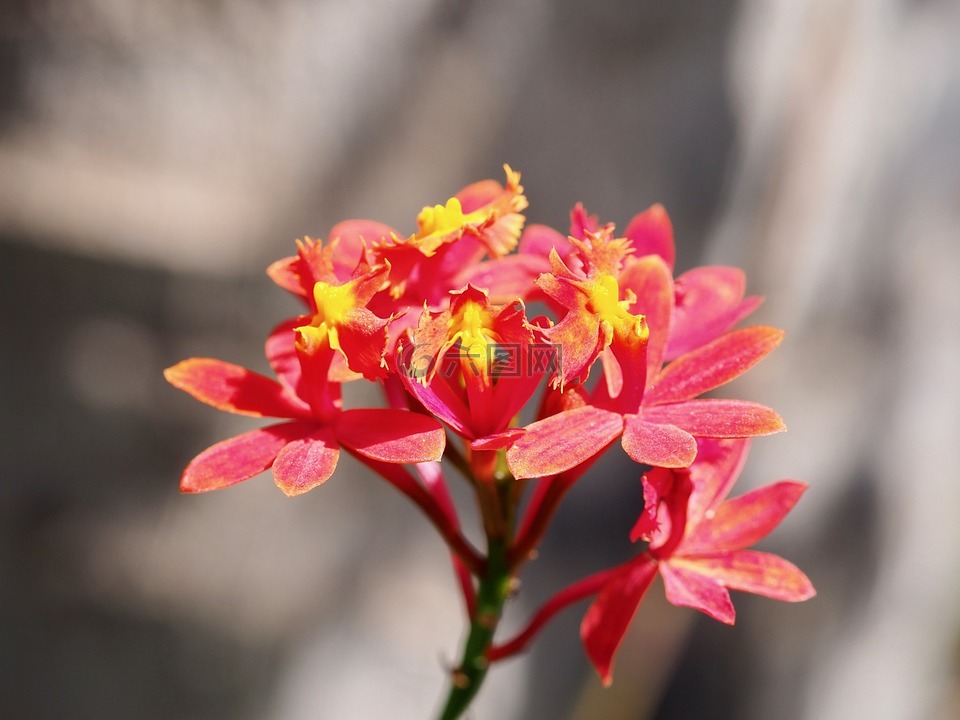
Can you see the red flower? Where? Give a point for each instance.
(470, 365)
(698, 542)
(303, 452)
(654, 408)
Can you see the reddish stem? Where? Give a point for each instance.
(402, 480)
(590, 585)
(431, 475)
(543, 505)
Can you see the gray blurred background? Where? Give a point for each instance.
(154, 157)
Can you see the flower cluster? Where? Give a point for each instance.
(622, 350)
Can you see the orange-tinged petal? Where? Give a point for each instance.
(657, 444)
(686, 587)
(388, 435)
(713, 365)
(306, 462)
(284, 272)
(234, 389)
(717, 418)
(741, 522)
(754, 572)
(608, 617)
(651, 233)
(239, 458)
(563, 441)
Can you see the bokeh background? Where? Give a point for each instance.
(154, 157)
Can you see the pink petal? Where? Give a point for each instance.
(657, 444)
(650, 280)
(306, 462)
(563, 441)
(239, 458)
(714, 473)
(539, 240)
(506, 278)
(608, 617)
(717, 418)
(652, 234)
(709, 301)
(234, 389)
(741, 522)
(282, 354)
(713, 365)
(351, 235)
(475, 196)
(686, 587)
(754, 572)
(393, 436)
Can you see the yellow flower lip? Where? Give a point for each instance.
(440, 219)
(604, 301)
(334, 302)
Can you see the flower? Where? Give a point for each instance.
(654, 408)
(304, 451)
(698, 545)
(471, 365)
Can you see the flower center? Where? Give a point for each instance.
(604, 301)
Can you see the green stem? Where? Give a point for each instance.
(492, 592)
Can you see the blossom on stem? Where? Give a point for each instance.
(698, 545)
(470, 365)
(655, 409)
(303, 452)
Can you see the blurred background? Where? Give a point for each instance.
(154, 157)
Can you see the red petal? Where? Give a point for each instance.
(234, 388)
(652, 234)
(650, 280)
(393, 436)
(306, 462)
(658, 444)
(686, 587)
(438, 397)
(563, 441)
(754, 572)
(609, 616)
(713, 365)
(239, 458)
(741, 522)
(717, 418)
(363, 337)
